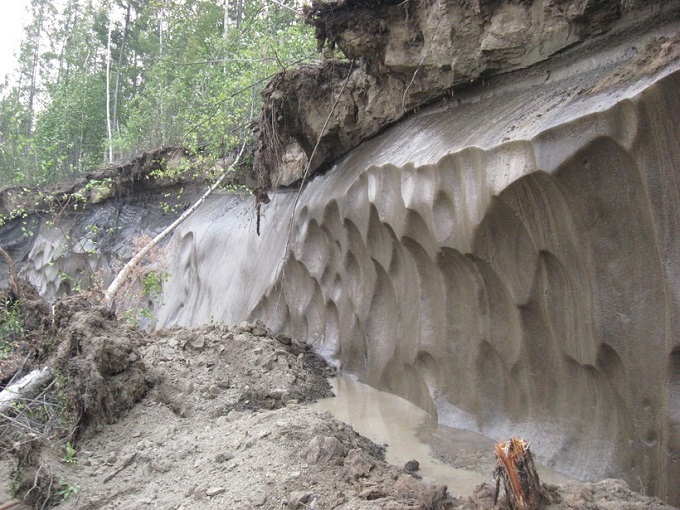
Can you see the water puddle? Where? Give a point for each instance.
(459, 459)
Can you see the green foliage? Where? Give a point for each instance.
(14, 486)
(97, 189)
(67, 489)
(15, 150)
(69, 454)
(18, 212)
(11, 326)
(70, 132)
(147, 289)
(73, 285)
(183, 73)
(152, 283)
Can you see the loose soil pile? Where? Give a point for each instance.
(216, 417)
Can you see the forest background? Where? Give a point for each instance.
(100, 81)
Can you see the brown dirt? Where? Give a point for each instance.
(135, 175)
(225, 423)
(658, 54)
(35, 317)
(98, 358)
(405, 55)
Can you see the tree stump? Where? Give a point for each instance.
(520, 479)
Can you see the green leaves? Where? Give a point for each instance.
(11, 326)
(183, 72)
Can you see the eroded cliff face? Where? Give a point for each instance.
(76, 235)
(405, 54)
(508, 259)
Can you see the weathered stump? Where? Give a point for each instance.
(520, 479)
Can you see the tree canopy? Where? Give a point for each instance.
(102, 80)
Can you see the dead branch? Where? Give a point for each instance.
(126, 462)
(14, 287)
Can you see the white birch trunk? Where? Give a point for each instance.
(25, 388)
(124, 273)
(108, 90)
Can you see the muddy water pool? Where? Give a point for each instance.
(457, 458)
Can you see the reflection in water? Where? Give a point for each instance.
(410, 433)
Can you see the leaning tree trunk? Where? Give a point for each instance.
(124, 273)
(25, 388)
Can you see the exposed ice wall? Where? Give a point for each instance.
(509, 260)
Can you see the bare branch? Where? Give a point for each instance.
(14, 287)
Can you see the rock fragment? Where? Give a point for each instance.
(411, 466)
(321, 450)
(358, 464)
(298, 499)
(214, 491)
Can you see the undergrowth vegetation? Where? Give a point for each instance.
(11, 325)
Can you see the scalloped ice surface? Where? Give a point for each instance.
(509, 261)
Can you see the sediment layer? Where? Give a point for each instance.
(402, 55)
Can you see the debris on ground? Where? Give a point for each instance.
(214, 417)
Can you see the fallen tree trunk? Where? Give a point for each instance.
(25, 388)
(124, 273)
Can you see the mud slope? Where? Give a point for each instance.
(508, 259)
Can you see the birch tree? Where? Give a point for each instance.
(121, 53)
(108, 91)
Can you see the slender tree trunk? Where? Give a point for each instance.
(161, 20)
(108, 90)
(116, 90)
(160, 40)
(225, 30)
(32, 91)
(71, 22)
(225, 27)
(239, 13)
(112, 290)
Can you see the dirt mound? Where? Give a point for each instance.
(99, 362)
(93, 375)
(224, 371)
(23, 324)
(225, 426)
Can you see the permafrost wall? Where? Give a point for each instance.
(509, 260)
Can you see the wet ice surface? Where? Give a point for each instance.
(410, 434)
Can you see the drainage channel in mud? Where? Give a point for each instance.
(410, 434)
